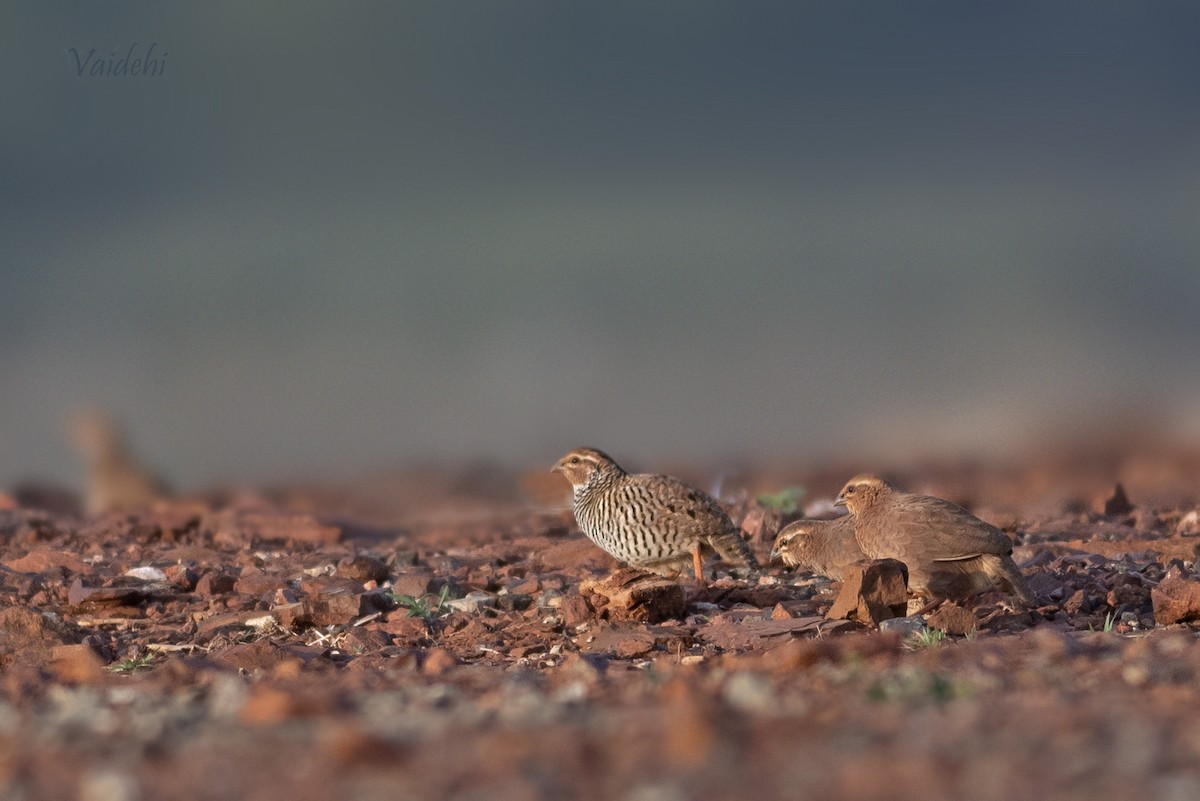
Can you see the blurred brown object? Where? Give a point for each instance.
(115, 478)
(1118, 505)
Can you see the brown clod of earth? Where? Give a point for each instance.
(634, 595)
(953, 619)
(1176, 600)
(872, 593)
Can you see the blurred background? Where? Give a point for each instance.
(338, 237)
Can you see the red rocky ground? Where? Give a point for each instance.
(253, 647)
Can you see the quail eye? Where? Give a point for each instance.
(574, 460)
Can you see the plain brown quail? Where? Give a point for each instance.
(950, 553)
(824, 547)
(657, 523)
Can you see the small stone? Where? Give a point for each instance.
(575, 610)
(40, 561)
(632, 648)
(362, 569)
(750, 692)
(92, 597)
(266, 706)
(1079, 603)
(1189, 524)
(214, 583)
(182, 577)
(953, 619)
(514, 602)
(412, 583)
(781, 613)
(472, 602)
(284, 596)
(527, 587)
(256, 583)
(77, 664)
(333, 610)
(146, 574)
(550, 599)
(437, 661)
(904, 626)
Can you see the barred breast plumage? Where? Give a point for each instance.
(654, 522)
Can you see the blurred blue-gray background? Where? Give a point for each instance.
(332, 237)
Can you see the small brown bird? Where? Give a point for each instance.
(950, 553)
(115, 479)
(823, 547)
(654, 522)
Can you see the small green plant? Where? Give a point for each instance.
(133, 663)
(1109, 620)
(786, 501)
(915, 685)
(928, 638)
(426, 606)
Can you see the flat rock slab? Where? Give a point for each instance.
(754, 632)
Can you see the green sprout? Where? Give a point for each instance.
(133, 663)
(425, 606)
(928, 638)
(786, 501)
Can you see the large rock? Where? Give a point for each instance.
(634, 595)
(1176, 600)
(872, 593)
(28, 636)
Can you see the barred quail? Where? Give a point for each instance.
(950, 553)
(824, 547)
(653, 522)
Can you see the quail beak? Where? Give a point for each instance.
(557, 468)
(775, 556)
(841, 501)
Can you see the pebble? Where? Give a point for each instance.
(146, 574)
(904, 626)
(472, 602)
(749, 692)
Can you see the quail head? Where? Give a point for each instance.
(654, 522)
(950, 553)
